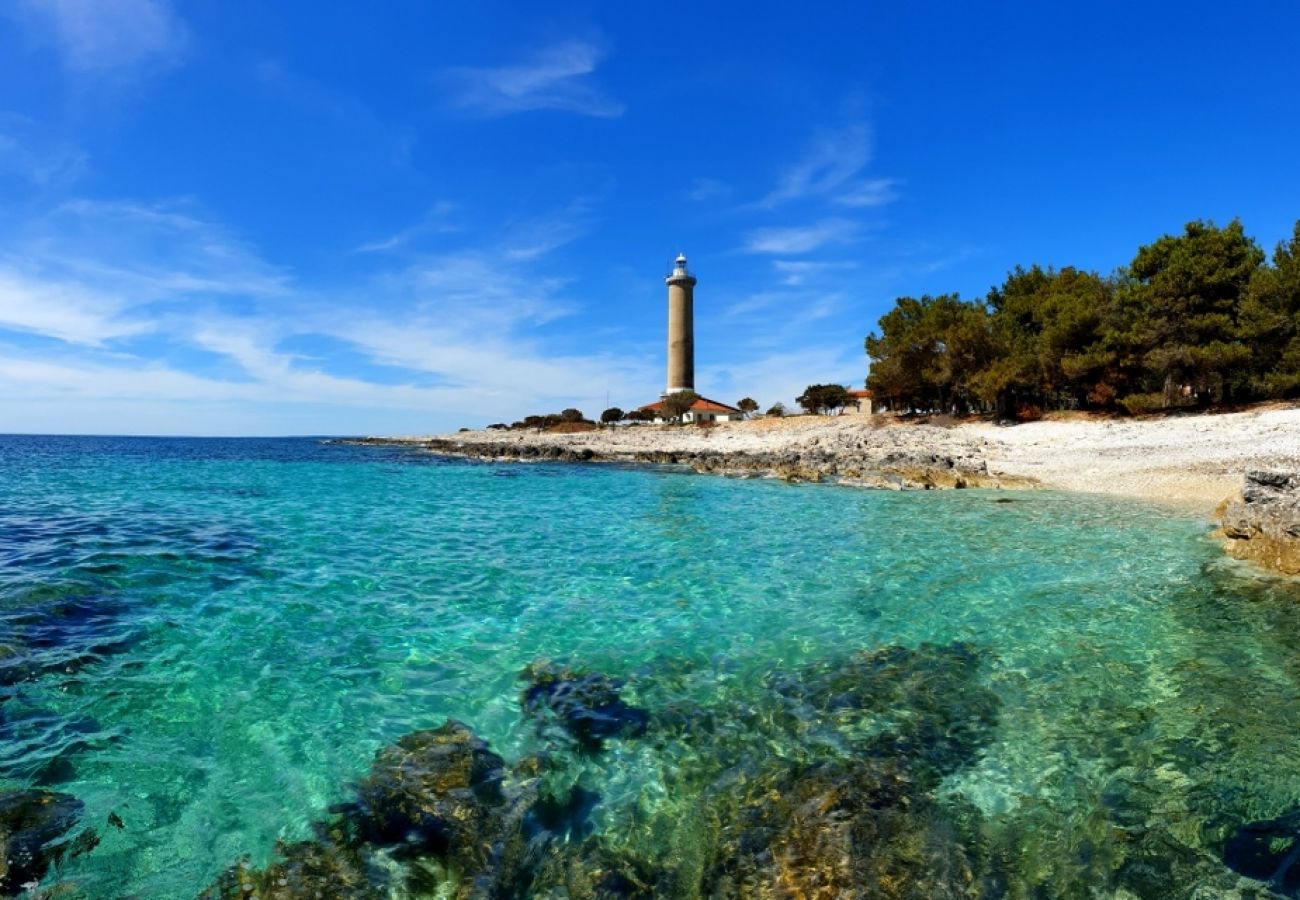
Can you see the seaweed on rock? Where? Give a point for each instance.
(32, 822)
(855, 829)
(847, 812)
(434, 791)
(587, 706)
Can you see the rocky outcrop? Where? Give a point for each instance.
(32, 823)
(585, 706)
(1263, 524)
(856, 462)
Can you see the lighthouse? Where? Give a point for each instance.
(681, 328)
(681, 358)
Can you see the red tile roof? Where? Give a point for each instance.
(860, 393)
(704, 404)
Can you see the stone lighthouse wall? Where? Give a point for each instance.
(681, 333)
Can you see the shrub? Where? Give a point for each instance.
(1138, 404)
(776, 410)
(1028, 412)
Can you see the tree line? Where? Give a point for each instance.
(1195, 319)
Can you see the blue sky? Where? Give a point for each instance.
(223, 217)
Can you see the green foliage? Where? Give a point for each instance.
(676, 405)
(748, 406)
(611, 415)
(1196, 318)
(571, 415)
(828, 399)
(776, 410)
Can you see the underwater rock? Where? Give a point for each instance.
(432, 817)
(434, 791)
(30, 821)
(1269, 851)
(433, 796)
(307, 869)
(1263, 523)
(591, 871)
(587, 706)
(923, 705)
(855, 829)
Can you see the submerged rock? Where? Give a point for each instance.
(587, 706)
(855, 829)
(592, 871)
(432, 817)
(1263, 524)
(31, 822)
(924, 705)
(1268, 851)
(817, 787)
(308, 869)
(434, 791)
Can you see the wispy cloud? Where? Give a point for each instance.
(534, 238)
(557, 77)
(871, 192)
(110, 36)
(29, 152)
(794, 273)
(159, 314)
(88, 272)
(148, 251)
(64, 310)
(830, 169)
(701, 189)
(800, 239)
(432, 222)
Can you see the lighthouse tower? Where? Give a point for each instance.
(681, 328)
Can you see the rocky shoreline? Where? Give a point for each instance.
(1195, 463)
(918, 458)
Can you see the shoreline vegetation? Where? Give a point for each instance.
(1196, 320)
(1194, 462)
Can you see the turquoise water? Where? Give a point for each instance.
(239, 626)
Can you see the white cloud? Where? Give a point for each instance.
(97, 36)
(872, 192)
(89, 273)
(800, 239)
(830, 169)
(795, 273)
(66, 311)
(554, 78)
(454, 337)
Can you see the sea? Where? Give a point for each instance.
(207, 642)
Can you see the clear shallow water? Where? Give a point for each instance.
(240, 625)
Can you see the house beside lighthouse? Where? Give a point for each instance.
(681, 352)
